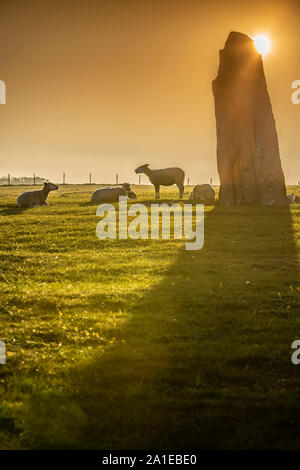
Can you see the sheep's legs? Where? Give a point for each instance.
(156, 191)
(181, 190)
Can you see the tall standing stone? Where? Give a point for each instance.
(247, 144)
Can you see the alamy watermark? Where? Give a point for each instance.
(2, 92)
(2, 352)
(296, 354)
(158, 227)
(296, 94)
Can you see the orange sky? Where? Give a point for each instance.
(105, 86)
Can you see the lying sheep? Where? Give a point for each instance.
(203, 192)
(37, 197)
(111, 193)
(291, 198)
(165, 177)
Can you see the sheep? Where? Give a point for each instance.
(37, 197)
(291, 198)
(203, 192)
(132, 195)
(164, 177)
(111, 193)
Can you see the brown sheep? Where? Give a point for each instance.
(165, 177)
(37, 197)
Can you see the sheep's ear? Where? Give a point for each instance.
(147, 164)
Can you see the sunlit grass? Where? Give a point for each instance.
(141, 344)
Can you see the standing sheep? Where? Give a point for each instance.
(111, 193)
(37, 197)
(165, 177)
(203, 192)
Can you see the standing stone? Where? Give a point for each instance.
(247, 144)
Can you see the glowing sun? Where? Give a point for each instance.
(262, 44)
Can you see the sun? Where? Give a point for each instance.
(262, 44)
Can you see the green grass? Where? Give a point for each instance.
(141, 344)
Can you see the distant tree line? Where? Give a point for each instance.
(9, 179)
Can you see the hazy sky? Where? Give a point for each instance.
(105, 86)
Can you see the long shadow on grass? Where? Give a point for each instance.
(204, 359)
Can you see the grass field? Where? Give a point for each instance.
(141, 344)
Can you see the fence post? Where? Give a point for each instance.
(34, 179)
(90, 178)
(64, 178)
(117, 178)
(8, 179)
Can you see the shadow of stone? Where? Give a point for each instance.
(204, 360)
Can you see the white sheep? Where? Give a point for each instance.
(164, 177)
(111, 193)
(36, 197)
(203, 192)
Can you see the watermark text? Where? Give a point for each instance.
(2, 92)
(296, 94)
(2, 352)
(136, 222)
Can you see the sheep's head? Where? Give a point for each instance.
(142, 168)
(131, 195)
(126, 187)
(50, 186)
